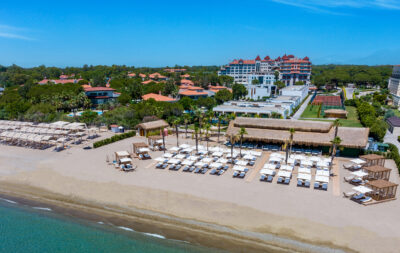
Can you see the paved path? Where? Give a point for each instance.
(336, 177)
(391, 138)
(258, 166)
(297, 115)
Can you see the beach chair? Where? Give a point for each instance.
(197, 170)
(299, 182)
(146, 156)
(191, 169)
(269, 179)
(242, 174)
(164, 166)
(226, 167)
(307, 184)
(246, 170)
(358, 196)
(159, 165)
(356, 181)
(172, 167)
(251, 163)
(235, 174)
(177, 167)
(348, 179)
(186, 168)
(141, 157)
(220, 172)
(287, 180)
(204, 171)
(365, 200)
(262, 178)
(280, 180)
(348, 194)
(213, 172)
(325, 186)
(316, 185)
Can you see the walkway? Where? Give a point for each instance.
(257, 167)
(391, 138)
(299, 112)
(349, 93)
(336, 178)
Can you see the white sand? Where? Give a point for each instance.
(301, 213)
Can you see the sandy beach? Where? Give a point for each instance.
(246, 211)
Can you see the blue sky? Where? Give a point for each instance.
(160, 33)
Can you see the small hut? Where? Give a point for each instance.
(121, 156)
(335, 113)
(376, 172)
(140, 147)
(382, 189)
(145, 128)
(373, 159)
(155, 141)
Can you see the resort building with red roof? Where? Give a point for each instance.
(158, 97)
(59, 81)
(100, 95)
(192, 92)
(394, 85)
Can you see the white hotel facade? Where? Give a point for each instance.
(394, 85)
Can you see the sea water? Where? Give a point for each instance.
(37, 229)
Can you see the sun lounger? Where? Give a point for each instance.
(287, 180)
(242, 174)
(348, 194)
(213, 172)
(204, 171)
(316, 185)
(164, 166)
(269, 178)
(325, 186)
(246, 170)
(299, 183)
(358, 196)
(307, 184)
(177, 167)
(172, 167)
(366, 199)
(226, 167)
(186, 168)
(191, 169)
(235, 174)
(197, 170)
(146, 156)
(263, 177)
(141, 157)
(280, 180)
(356, 181)
(251, 163)
(159, 165)
(220, 172)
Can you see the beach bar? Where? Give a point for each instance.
(382, 190)
(145, 128)
(376, 172)
(373, 159)
(307, 133)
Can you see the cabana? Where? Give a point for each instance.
(286, 167)
(324, 173)
(304, 170)
(157, 125)
(285, 174)
(382, 190)
(120, 155)
(154, 141)
(377, 172)
(373, 159)
(140, 148)
(322, 179)
(268, 172)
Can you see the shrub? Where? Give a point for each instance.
(394, 154)
(398, 138)
(114, 138)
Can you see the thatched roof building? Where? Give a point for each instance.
(144, 128)
(335, 113)
(307, 133)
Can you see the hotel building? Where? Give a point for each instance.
(394, 85)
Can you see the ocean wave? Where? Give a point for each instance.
(127, 229)
(9, 201)
(100, 222)
(42, 208)
(155, 235)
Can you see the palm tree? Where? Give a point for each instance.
(176, 123)
(220, 118)
(163, 139)
(196, 135)
(336, 124)
(291, 131)
(233, 138)
(186, 119)
(241, 132)
(335, 144)
(207, 127)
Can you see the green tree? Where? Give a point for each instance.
(335, 144)
(255, 81)
(291, 131)
(124, 99)
(241, 133)
(239, 91)
(88, 117)
(223, 96)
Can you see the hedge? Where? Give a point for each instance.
(394, 154)
(114, 138)
(298, 107)
(398, 138)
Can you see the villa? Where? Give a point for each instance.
(192, 92)
(261, 109)
(158, 97)
(100, 95)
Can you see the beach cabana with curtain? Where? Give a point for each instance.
(157, 125)
(121, 154)
(154, 141)
(140, 147)
(373, 159)
(377, 172)
(382, 189)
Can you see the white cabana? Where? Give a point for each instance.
(215, 165)
(199, 164)
(168, 155)
(290, 161)
(267, 172)
(248, 157)
(180, 156)
(217, 154)
(255, 153)
(322, 164)
(315, 159)
(322, 179)
(275, 159)
(238, 168)
(241, 162)
(207, 160)
(286, 167)
(173, 161)
(306, 163)
(284, 173)
(304, 170)
(144, 150)
(187, 150)
(159, 159)
(359, 173)
(216, 149)
(234, 155)
(125, 160)
(277, 155)
(174, 149)
(193, 158)
(269, 166)
(357, 161)
(222, 160)
(299, 157)
(187, 162)
(122, 153)
(203, 152)
(183, 146)
(324, 173)
(362, 189)
(304, 176)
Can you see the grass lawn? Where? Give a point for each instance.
(351, 121)
(311, 111)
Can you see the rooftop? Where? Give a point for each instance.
(98, 89)
(394, 121)
(158, 97)
(380, 183)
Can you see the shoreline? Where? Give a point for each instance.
(173, 228)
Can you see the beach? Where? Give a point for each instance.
(216, 211)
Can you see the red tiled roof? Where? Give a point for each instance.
(258, 58)
(243, 62)
(149, 81)
(185, 76)
(156, 75)
(187, 82)
(99, 89)
(157, 97)
(192, 93)
(194, 88)
(142, 75)
(99, 97)
(131, 74)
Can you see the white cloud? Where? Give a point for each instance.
(326, 6)
(12, 32)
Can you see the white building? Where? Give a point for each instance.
(394, 84)
(262, 109)
(296, 90)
